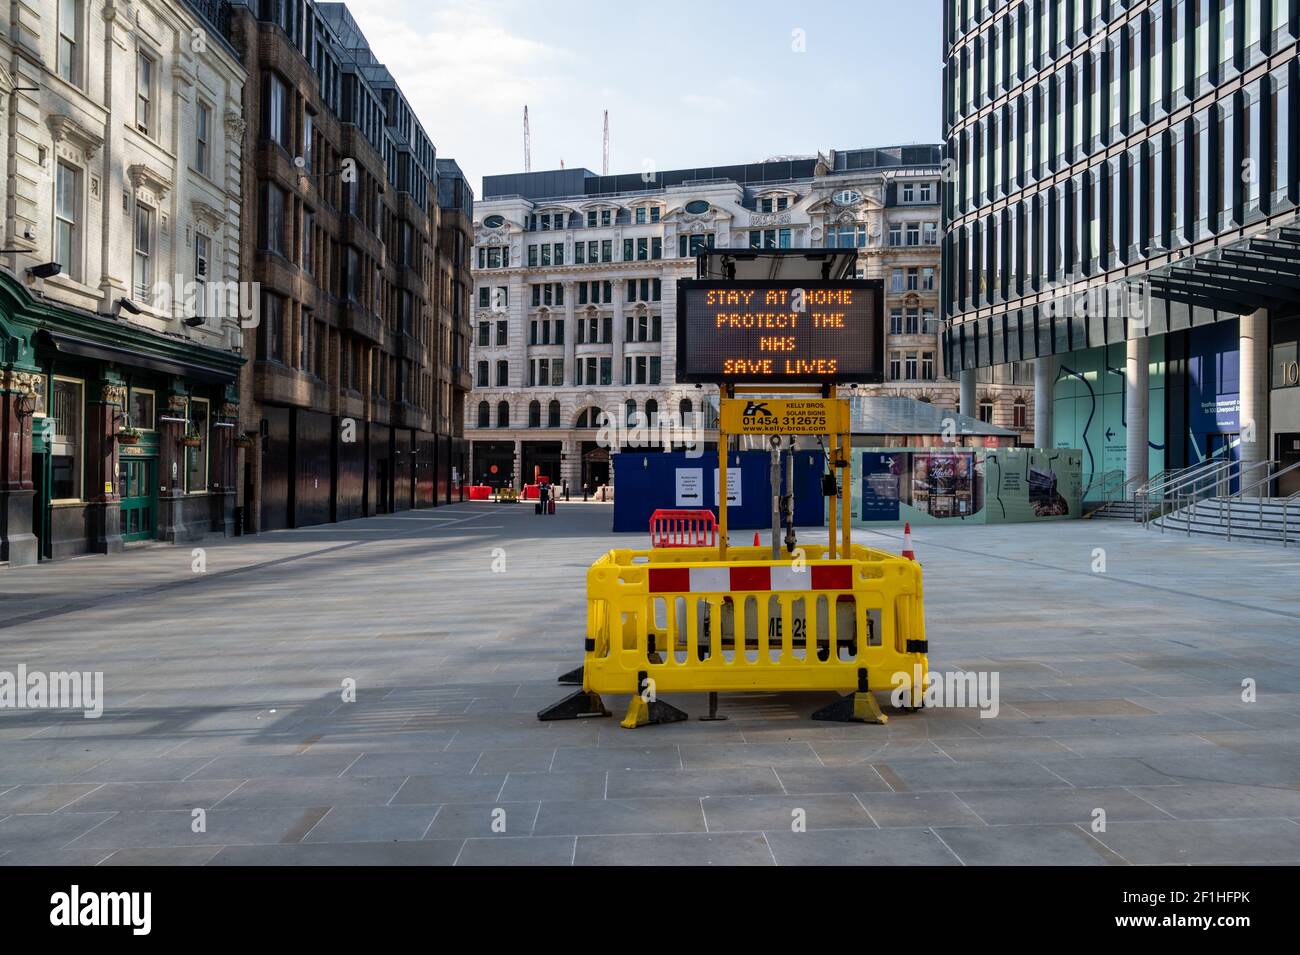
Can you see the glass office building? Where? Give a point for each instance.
(1121, 209)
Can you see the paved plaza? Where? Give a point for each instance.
(1120, 691)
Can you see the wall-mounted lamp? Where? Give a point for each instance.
(126, 305)
(26, 405)
(45, 270)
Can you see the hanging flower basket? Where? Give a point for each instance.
(128, 436)
(243, 440)
(192, 440)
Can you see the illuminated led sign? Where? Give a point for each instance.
(780, 331)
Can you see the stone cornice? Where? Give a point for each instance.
(64, 127)
(142, 177)
(204, 212)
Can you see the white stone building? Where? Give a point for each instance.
(575, 285)
(123, 121)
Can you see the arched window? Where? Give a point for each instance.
(534, 414)
(652, 412)
(1020, 411)
(986, 411)
(503, 414)
(629, 413)
(484, 415)
(553, 414)
(686, 407)
(590, 418)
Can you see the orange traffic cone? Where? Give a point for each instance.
(756, 542)
(907, 542)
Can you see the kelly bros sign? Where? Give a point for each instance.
(747, 331)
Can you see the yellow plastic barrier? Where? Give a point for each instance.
(507, 495)
(679, 620)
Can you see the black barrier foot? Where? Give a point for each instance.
(577, 705)
(859, 707)
(854, 708)
(643, 713)
(572, 678)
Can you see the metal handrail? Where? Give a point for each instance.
(1123, 495)
(1103, 479)
(1286, 507)
(1176, 487)
(1174, 479)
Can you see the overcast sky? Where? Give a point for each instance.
(686, 82)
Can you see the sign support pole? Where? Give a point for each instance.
(846, 505)
(833, 441)
(724, 445)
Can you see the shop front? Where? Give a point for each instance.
(113, 434)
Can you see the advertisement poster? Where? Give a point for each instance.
(943, 483)
(733, 487)
(1033, 485)
(690, 487)
(882, 478)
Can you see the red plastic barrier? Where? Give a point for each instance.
(480, 492)
(532, 492)
(670, 528)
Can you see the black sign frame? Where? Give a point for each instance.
(686, 375)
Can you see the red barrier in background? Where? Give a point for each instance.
(673, 528)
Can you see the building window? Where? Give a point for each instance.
(203, 140)
(273, 219)
(143, 275)
(927, 365)
(503, 414)
(272, 327)
(503, 374)
(144, 80)
(895, 365)
(1019, 414)
(196, 459)
(277, 111)
(69, 37)
(534, 414)
(65, 450)
(481, 380)
(67, 213)
(484, 415)
(141, 409)
(986, 411)
(553, 415)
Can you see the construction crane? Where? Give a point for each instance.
(528, 149)
(604, 162)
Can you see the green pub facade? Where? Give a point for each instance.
(113, 433)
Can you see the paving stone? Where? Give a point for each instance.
(1205, 842)
(619, 816)
(518, 851)
(372, 824)
(867, 847)
(441, 852)
(729, 813)
(466, 820)
(1069, 806)
(1027, 846)
(678, 849)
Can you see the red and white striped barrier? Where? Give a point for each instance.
(723, 580)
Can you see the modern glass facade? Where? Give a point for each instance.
(1091, 140)
(1116, 170)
